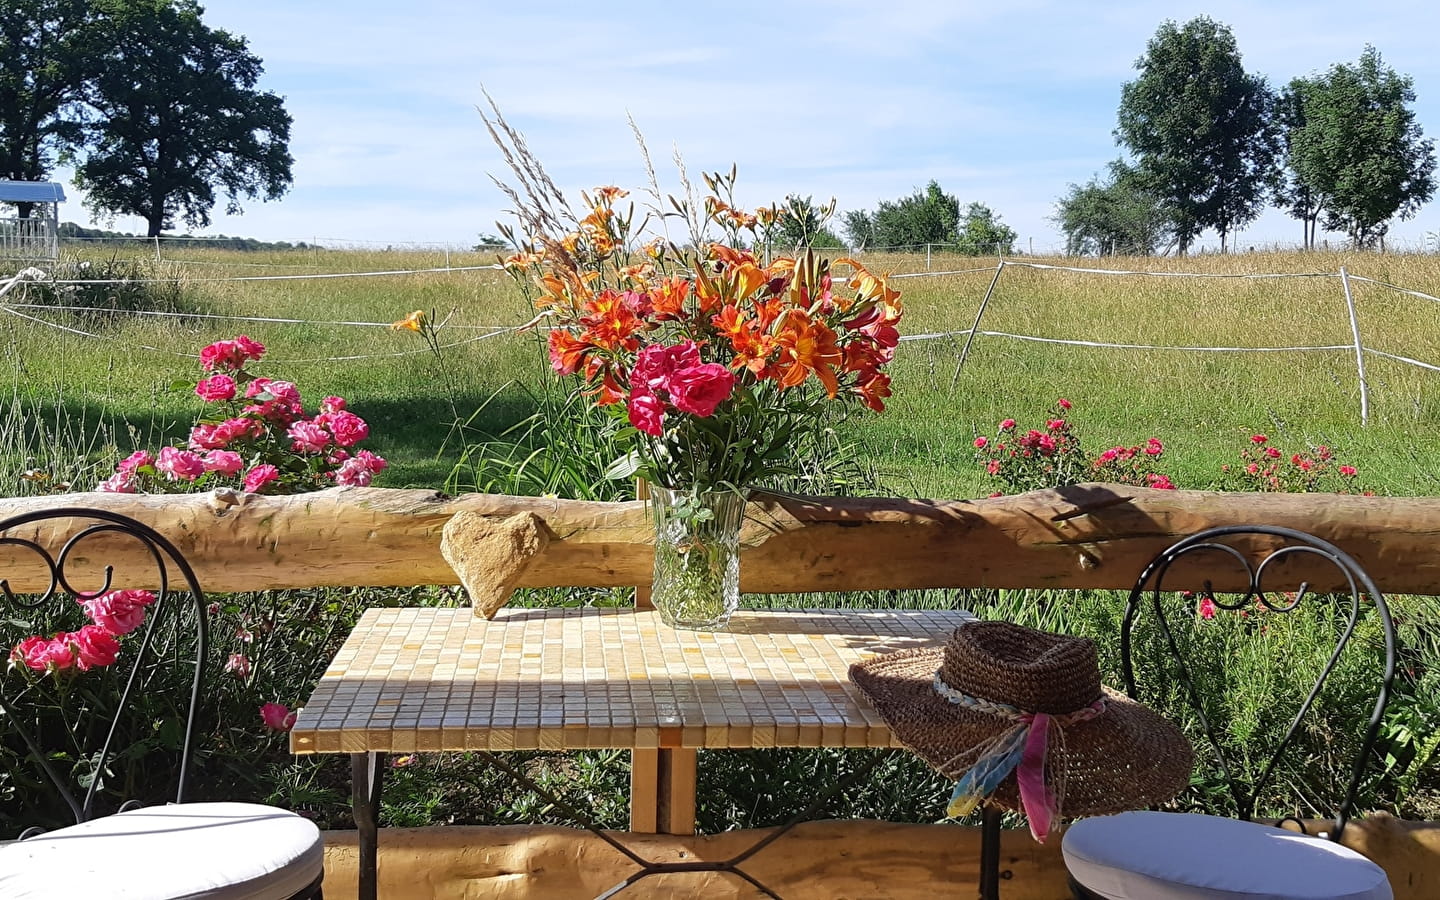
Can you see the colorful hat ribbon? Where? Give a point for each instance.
(1021, 749)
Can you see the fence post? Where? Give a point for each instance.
(1359, 348)
(927, 257)
(965, 351)
(157, 248)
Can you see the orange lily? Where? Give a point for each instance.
(807, 346)
(413, 322)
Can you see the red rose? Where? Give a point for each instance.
(647, 413)
(94, 646)
(656, 363)
(699, 389)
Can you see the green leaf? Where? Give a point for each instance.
(624, 467)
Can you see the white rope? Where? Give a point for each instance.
(1395, 287)
(269, 319)
(1110, 346)
(1404, 359)
(1090, 271)
(311, 276)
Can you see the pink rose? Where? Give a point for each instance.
(256, 387)
(250, 349)
(118, 612)
(348, 428)
(647, 413)
(216, 388)
(226, 462)
(1348, 471)
(238, 665)
(980, 442)
(1206, 609)
(1007, 424)
(287, 394)
(222, 355)
(308, 437)
(1153, 447)
(1063, 403)
(699, 389)
(332, 404)
(1258, 439)
(231, 430)
(34, 652)
(206, 437)
(371, 461)
(655, 364)
(119, 483)
(94, 646)
(277, 717)
(179, 465)
(135, 460)
(259, 477)
(353, 473)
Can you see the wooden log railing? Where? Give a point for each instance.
(1086, 536)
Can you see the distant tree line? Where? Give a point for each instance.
(76, 232)
(1211, 144)
(929, 217)
(158, 112)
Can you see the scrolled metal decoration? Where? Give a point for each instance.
(167, 560)
(1293, 545)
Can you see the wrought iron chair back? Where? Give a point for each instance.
(1288, 547)
(176, 590)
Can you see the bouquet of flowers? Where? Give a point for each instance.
(716, 357)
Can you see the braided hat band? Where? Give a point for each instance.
(1019, 718)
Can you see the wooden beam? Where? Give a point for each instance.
(1086, 536)
(877, 860)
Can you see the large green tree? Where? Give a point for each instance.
(925, 217)
(1113, 215)
(1199, 128)
(176, 115)
(1354, 151)
(43, 68)
(981, 233)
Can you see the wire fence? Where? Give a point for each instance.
(31, 311)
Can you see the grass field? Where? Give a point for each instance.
(83, 386)
(114, 384)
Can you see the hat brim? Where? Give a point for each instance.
(1128, 757)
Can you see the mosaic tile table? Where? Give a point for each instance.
(421, 680)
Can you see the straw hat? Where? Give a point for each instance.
(1009, 711)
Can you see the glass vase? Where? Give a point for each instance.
(697, 556)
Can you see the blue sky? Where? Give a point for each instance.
(1003, 103)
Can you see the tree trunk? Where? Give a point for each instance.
(1085, 536)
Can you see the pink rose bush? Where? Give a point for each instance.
(1051, 456)
(254, 436)
(114, 615)
(1264, 467)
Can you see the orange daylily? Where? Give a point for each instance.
(610, 321)
(807, 346)
(610, 193)
(668, 299)
(869, 286)
(752, 349)
(413, 322)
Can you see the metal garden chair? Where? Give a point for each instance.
(114, 848)
(1173, 855)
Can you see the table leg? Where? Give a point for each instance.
(989, 852)
(366, 774)
(662, 791)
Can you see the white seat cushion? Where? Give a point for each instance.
(1173, 856)
(215, 851)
